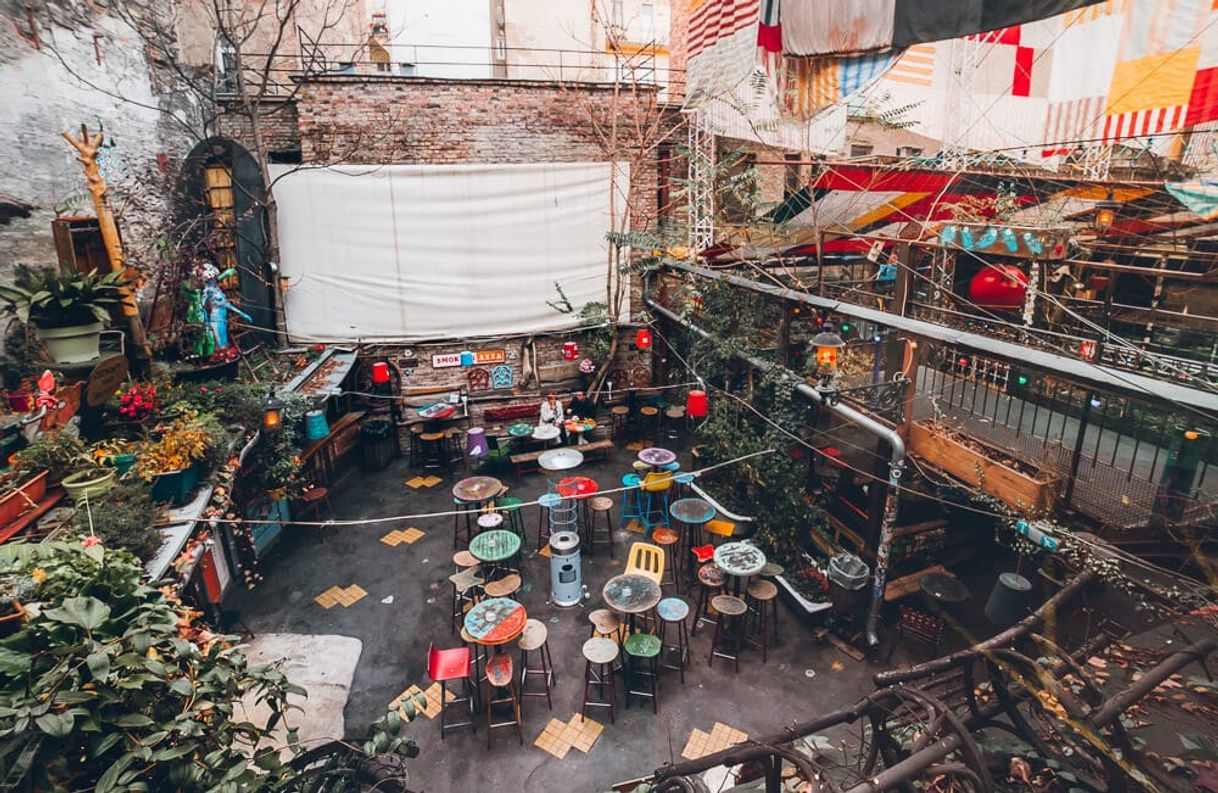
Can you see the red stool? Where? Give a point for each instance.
(668, 539)
(454, 664)
(501, 676)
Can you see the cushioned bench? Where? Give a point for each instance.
(516, 410)
(528, 460)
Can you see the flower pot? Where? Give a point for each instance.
(20, 403)
(11, 623)
(17, 502)
(73, 344)
(175, 486)
(122, 462)
(88, 485)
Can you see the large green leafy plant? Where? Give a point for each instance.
(111, 686)
(57, 298)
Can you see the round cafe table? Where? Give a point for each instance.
(740, 560)
(631, 594)
(579, 427)
(693, 513)
(494, 546)
(477, 489)
(495, 621)
(560, 459)
(943, 589)
(580, 488)
(521, 430)
(546, 433)
(655, 456)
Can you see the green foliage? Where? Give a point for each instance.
(61, 452)
(18, 363)
(14, 588)
(109, 686)
(123, 518)
(278, 454)
(54, 298)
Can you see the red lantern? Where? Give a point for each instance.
(570, 351)
(999, 287)
(642, 339)
(695, 404)
(380, 373)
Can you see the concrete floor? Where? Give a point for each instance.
(395, 636)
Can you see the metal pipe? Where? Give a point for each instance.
(896, 460)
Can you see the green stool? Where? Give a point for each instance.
(513, 516)
(643, 649)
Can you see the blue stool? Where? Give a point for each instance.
(681, 483)
(673, 466)
(655, 490)
(545, 503)
(632, 500)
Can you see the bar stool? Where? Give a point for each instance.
(656, 487)
(668, 539)
(632, 499)
(488, 521)
(599, 656)
(506, 587)
(454, 447)
(762, 599)
(315, 502)
(467, 585)
(619, 417)
(500, 676)
(642, 654)
(603, 506)
(710, 584)
(535, 638)
(513, 512)
(649, 421)
(729, 629)
(681, 484)
(433, 450)
(674, 611)
(463, 526)
(454, 664)
(674, 416)
(416, 445)
(545, 503)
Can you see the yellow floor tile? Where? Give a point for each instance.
(416, 482)
(545, 551)
(695, 747)
(550, 740)
(588, 730)
(432, 481)
(637, 446)
(411, 535)
(393, 538)
(636, 527)
(328, 598)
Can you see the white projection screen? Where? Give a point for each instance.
(413, 252)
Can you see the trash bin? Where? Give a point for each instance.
(566, 579)
(1009, 600)
(847, 576)
(378, 444)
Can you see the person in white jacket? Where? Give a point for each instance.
(552, 415)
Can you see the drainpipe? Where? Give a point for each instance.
(896, 463)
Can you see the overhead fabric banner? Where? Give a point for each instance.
(413, 252)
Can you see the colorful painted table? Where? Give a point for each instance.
(436, 411)
(692, 511)
(477, 489)
(577, 487)
(495, 621)
(655, 456)
(578, 428)
(495, 545)
(631, 594)
(739, 560)
(522, 430)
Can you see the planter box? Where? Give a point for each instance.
(808, 611)
(177, 486)
(980, 466)
(23, 499)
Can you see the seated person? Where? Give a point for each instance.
(581, 407)
(552, 415)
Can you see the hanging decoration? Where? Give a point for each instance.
(501, 376)
(696, 406)
(642, 339)
(380, 373)
(570, 350)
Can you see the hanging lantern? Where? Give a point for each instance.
(827, 343)
(272, 413)
(380, 373)
(642, 339)
(570, 350)
(695, 404)
(1105, 214)
(999, 287)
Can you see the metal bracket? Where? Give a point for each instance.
(886, 398)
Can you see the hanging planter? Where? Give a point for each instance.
(986, 468)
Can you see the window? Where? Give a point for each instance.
(861, 149)
(226, 66)
(790, 181)
(647, 23)
(218, 189)
(618, 14)
(909, 151)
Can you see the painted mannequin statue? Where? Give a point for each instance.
(217, 305)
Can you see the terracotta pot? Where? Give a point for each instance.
(17, 502)
(11, 623)
(22, 402)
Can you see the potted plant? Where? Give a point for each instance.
(170, 460)
(115, 452)
(68, 308)
(88, 484)
(58, 452)
(20, 492)
(124, 518)
(18, 369)
(14, 589)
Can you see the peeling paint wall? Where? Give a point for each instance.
(78, 64)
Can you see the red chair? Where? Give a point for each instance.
(454, 664)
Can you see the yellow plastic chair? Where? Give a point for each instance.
(646, 560)
(656, 486)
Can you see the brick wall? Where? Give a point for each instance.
(279, 128)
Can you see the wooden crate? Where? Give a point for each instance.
(984, 471)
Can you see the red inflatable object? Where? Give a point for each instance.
(999, 286)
